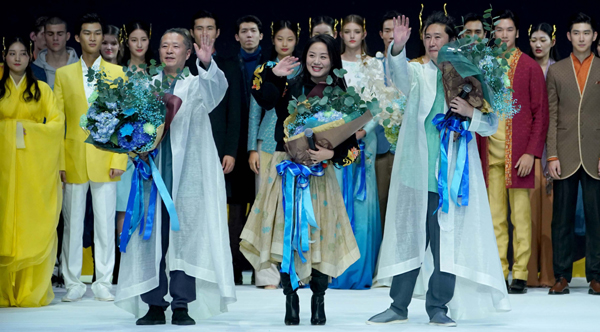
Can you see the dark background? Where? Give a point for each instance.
(178, 13)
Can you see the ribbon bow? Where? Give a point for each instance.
(135, 204)
(460, 180)
(299, 213)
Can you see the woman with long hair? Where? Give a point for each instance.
(261, 127)
(542, 44)
(32, 130)
(362, 202)
(137, 35)
(333, 248)
(112, 49)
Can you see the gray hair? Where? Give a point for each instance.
(187, 38)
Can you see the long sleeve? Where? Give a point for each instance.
(60, 106)
(253, 124)
(400, 70)
(345, 153)
(213, 85)
(233, 109)
(485, 124)
(551, 142)
(539, 109)
(267, 88)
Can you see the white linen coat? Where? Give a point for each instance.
(467, 242)
(201, 247)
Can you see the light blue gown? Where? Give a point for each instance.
(367, 220)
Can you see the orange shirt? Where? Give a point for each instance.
(582, 69)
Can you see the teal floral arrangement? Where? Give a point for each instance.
(128, 115)
(486, 60)
(336, 106)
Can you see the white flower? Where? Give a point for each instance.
(379, 55)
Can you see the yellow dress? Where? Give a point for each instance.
(30, 195)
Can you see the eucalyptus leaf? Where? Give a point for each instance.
(328, 90)
(323, 101)
(329, 80)
(349, 101)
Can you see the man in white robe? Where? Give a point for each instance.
(461, 269)
(197, 256)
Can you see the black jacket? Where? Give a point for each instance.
(225, 118)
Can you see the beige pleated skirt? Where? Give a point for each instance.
(333, 248)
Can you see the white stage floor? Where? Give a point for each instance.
(263, 310)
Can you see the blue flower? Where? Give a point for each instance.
(136, 139)
(111, 106)
(126, 130)
(129, 112)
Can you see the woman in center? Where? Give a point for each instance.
(264, 239)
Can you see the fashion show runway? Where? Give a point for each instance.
(347, 310)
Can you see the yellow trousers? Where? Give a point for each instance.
(520, 207)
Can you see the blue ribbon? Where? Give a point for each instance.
(298, 211)
(361, 195)
(460, 180)
(135, 204)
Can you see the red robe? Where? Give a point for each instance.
(526, 131)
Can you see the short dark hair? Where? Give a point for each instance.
(389, 15)
(581, 18)
(472, 17)
(204, 14)
(55, 20)
(509, 15)
(443, 19)
(89, 18)
(247, 19)
(187, 37)
(39, 24)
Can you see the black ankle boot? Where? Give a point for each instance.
(155, 316)
(317, 306)
(292, 309)
(181, 317)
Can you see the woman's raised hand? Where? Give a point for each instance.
(286, 66)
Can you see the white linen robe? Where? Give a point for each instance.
(467, 242)
(201, 247)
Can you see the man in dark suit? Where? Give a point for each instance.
(230, 135)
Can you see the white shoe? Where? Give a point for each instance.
(73, 295)
(103, 294)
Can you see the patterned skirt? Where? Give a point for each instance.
(333, 248)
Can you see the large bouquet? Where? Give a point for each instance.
(131, 116)
(332, 113)
(482, 63)
(388, 102)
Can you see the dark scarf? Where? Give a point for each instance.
(250, 62)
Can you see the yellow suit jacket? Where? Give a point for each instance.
(83, 162)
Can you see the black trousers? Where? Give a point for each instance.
(182, 287)
(441, 284)
(318, 283)
(563, 225)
